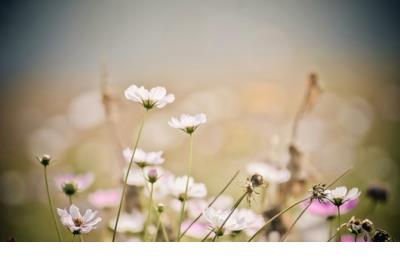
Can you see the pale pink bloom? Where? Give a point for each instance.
(197, 230)
(188, 123)
(339, 195)
(75, 222)
(253, 221)
(107, 198)
(326, 209)
(129, 223)
(155, 97)
(81, 181)
(142, 158)
(217, 217)
(177, 188)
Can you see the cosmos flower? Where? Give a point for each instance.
(75, 222)
(271, 174)
(195, 190)
(327, 209)
(197, 230)
(340, 196)
(143, 159)
(188, 123)
(108, 198)
(253, 221)
(71, 184)
(156, 97)
(140, 177)
(217, 217)
(129, 223)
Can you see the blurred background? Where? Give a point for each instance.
(65, 64)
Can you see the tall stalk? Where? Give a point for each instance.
(186, 187)
(126, 177)
(51, 203)
(149, 211)
(339, 237)
(295, 222)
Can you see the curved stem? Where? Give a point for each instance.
(295, 221)
(186, 187)
(276, 216)
(126, 177)
(149, 211)
(51, 204)
(211, 203)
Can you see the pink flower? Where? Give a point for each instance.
(105, 198)
(198, 230)
(350, 238)
(327, 209)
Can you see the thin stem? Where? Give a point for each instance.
(126, 177)
(212, 202)
(276, 216)
(340, 233)
(163, 230)
(338, 178)
(208, 234)
(186, 187)
(73, 237)
(295, 221)
(81, 238)
(70, 199)
(215, 238)
(51, 203)
(149, 211)
(157, 228)
(332, 237)
(355, 238)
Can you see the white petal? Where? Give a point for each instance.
(74, 212)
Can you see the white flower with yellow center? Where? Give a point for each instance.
(188, 123)
(155, 97)
(75, 222)
(339, 195)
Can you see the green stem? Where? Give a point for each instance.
(339, 238)
(186, 187)
(126, 177)
(276, 216)
(211, 203)
(148, 211)
(70, 199)
(51, 204)
(295, 221)
(81, 238)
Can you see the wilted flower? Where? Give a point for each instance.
(339, 195)
(75, 222)
(105, 198)
(354, 226)
(156, 97)
(71, 184)
(271, 174)
(377, 193)
(143, 159)
(216, 219)
(381, 235)
(327, 209)
(188, 123)
(45, 159)
(132, 223)
(177, 188)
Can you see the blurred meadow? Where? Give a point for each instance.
(64, 66)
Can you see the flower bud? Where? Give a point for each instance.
(160, 208)
(152, 175)
(70, 188)
(44, 160)
(257, 180)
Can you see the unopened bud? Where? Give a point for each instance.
(44, 160)
(257, 180)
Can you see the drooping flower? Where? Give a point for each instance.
(70, 184)
(75, 222)
(143, 159)
(177, 188)
(216, 219)
(340, 196)
(271, 174)
(327, 209)
(155, 97)
(129, 223)
(108, 198)
(188, 123)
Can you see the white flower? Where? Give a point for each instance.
(270, 173)
(143, 159)
(157, 96)
(188, 123)
(132, 223)
(217, 217)
(177, 188)
(252, 220)
(339, 195)
(75, 222)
